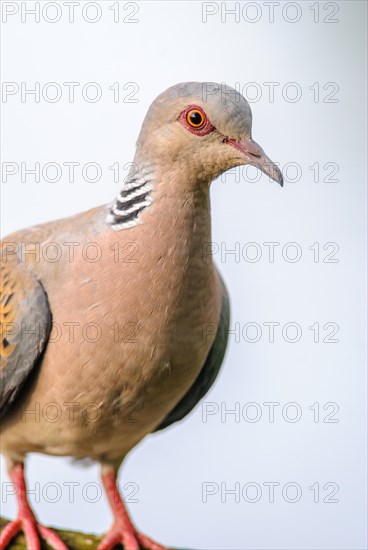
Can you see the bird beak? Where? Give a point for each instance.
(254, 155)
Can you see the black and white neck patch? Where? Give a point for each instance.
(132, 199)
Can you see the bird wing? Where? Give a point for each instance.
(210, 369)
(25, 324)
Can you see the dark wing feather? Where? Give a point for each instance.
(209, 372)
(25, 323)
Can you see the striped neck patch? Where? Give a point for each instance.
(132, 199)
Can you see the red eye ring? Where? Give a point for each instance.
(195, 120)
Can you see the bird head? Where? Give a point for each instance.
(204, 129)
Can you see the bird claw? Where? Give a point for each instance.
(130, 539)
(32, 531)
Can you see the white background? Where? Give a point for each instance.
(170, 43)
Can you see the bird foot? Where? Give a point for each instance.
(33, 532)
(131, 539)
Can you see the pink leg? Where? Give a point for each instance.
(26, 520)
(123, 530)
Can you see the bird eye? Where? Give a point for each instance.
(195, 118)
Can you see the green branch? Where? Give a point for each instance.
(73, 540)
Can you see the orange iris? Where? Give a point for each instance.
(195, 118)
